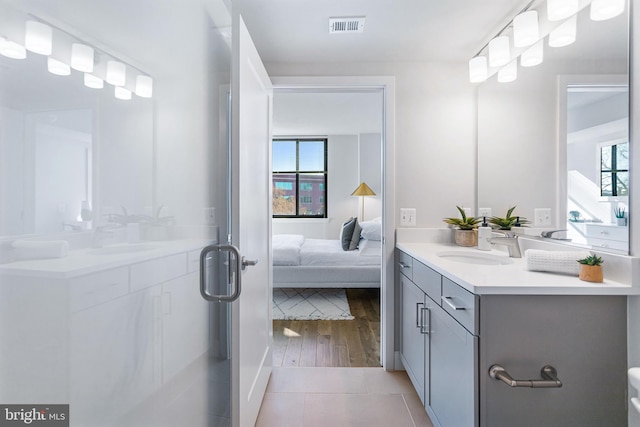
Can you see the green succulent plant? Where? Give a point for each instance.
(591, 260)
(464, 223)
(508, 221)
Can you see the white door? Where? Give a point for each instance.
(251, 226)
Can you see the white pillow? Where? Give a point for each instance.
(371, 230)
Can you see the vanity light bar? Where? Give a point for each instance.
(11, 49)
(526, 32)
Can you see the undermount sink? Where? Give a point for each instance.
(468, 257)
(122, 249)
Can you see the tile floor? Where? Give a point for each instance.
(341, 397)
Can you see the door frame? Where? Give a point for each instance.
(388, 357)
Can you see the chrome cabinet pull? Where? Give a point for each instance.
(548, 373)
(424, 314)
(449, 301)
(418, 318)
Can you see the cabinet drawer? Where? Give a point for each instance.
(428, 280)
(405, 264)
(156, 271)
(608, 244)
(608, 232)
(94, 289)
(461, 305)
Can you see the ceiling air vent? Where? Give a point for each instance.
(351, 24)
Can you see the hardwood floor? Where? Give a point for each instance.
(332, 343)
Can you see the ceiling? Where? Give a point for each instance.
(395, 30)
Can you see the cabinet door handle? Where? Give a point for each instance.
(548, 373)
(426, 325)
(449, 302)
(403, 265)
(418, 318)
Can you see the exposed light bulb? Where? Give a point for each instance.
(116, 73)
(561, 9)
(525, 29)
(58, 68)
(565, 33)
(11, 49)
(38, 38)
(509, 72)
(122, 93)
(478, 71)
(144, 86)
(606, 9)
(82, 57)
(499, 51)
(533, 56)
(92, 81)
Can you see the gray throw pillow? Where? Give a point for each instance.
(350, 234)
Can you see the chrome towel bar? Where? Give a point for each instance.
(548, 373)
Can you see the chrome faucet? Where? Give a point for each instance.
(510, 240)
(549, 234)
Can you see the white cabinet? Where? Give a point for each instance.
(608, 236)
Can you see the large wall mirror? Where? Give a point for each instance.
(69, 154)
(557, 138)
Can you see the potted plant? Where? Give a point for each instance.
(620, 216)
(466, 233)
(591, 269)
(508, 221)
(575, 216)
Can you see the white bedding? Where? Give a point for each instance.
(290, 250)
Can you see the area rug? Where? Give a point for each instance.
(310, 304)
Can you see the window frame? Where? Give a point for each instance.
(613, 171)
(298, 173)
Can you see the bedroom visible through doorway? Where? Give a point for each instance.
(328, 271)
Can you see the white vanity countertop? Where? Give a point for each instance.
(92, 260)
(510, 279)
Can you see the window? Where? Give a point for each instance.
(299, 178)
(614, 170)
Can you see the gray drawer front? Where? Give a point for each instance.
(428, 280)
(461, 305)
(405, 264)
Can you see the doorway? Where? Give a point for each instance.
(368, 339)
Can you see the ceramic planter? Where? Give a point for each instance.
(621, 221)
(467, 238)
(591, 273)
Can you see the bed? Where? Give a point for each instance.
(299, 262)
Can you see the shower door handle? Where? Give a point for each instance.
(234, 275)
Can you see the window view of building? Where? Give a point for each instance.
(299, 178)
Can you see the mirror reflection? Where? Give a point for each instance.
(556, 139)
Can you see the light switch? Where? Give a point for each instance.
(407, 217)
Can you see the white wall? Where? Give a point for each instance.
(371, 173)
(435, 132)
(11, 169)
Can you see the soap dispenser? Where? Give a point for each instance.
(484, 234)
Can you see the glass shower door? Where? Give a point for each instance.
(107, 197)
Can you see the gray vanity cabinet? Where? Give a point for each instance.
(413, 342)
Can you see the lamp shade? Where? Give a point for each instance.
(116, 73)
(58, 68)
(499, 53)
(82, 57)
(92, 81)
(38, 37)
(478, 71)
(533, 56)
(122, 93)
(561, 9)
(11, 49)
(363, 190)
(565, 33)
(525, 29)
(606, 9)
(144, 86)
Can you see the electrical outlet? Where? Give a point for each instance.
(482, 212)
(408, 217)
(542, 217)
(210, 216)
